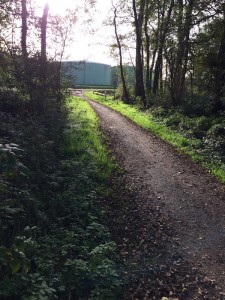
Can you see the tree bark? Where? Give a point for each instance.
(180, 70)
(162, 37)
(24, 29)
(147, 48)
(44, 21)
(138, 20)
(220, 71)
(125, 96)
(43, 65)
(27, 68)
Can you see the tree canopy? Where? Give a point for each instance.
(179, 48)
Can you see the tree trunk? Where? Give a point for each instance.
(27, 68)
(220, 71)
(184, 27)
(43, 65)
(151, 69)
(139, 82)
(125, 96)
(147, 48)
(158, 67)
(162, 37)
(24, 29)
(44, 21)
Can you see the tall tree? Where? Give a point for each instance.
(125, 95)
(44, 21)
(184, 25)
(148, 7)
(24, 28)
(43, 61)
(220, 70)
(61, 34)
(165, 17)
(138, 10)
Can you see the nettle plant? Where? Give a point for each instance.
(14, 213)
(13, 181)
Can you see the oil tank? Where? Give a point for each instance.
(83, 73)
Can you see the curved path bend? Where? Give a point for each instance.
(192, 199)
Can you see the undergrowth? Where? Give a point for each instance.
(54, 244)
(200, 137)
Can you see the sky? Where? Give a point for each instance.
(95, 47)
(85, 46)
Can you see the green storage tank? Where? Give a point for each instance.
(82, 73)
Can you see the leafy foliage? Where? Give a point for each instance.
(53, 241)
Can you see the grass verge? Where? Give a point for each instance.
(145, 120)
(89, 142)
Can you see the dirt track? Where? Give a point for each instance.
(192, 201)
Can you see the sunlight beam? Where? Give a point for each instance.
(58, 7)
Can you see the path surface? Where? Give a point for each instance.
(193, 201)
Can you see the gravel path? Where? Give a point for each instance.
(192, 200)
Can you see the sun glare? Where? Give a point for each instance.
(58, 6)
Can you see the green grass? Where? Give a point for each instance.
(89, 141)
(145, 120)
(86, 86)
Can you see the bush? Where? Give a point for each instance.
(12, 100)
(192, 127)
(198, 126)
(215, 140)
(160, 100)
(198, 105)
(158, 112)
(54, 244)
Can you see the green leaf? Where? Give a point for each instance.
(14, 265)
(3, 186)
(3, 252)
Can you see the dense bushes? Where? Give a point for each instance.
(209, 131)
(215, 140)
(54, 244)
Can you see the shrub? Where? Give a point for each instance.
(54, 244)
(11, 100)
(215, 140)
(198, 105)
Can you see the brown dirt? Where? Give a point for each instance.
(172, 234)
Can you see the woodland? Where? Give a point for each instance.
(178, 67)
(54, 166)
